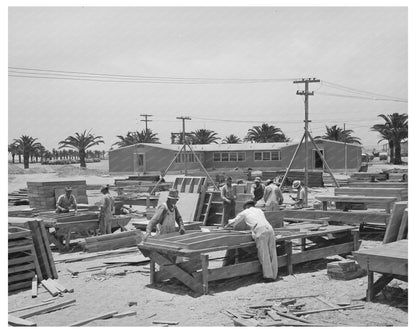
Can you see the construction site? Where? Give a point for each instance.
(268, 230)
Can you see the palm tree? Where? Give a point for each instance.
(336, 133)
(28, 145)
(394, 130)
(81, 142)
(231, 139)
(266, 133)
(13, 150)
(203, 137)
(145, 136)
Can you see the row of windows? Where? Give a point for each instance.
(229, 156)
(240, 156)
(188, 157)
(267, 155)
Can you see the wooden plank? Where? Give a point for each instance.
(286, 315)
(20, 285)
(110, 237)
(50, 287)
(393, 226)
(379, 184)
(48, 308)
(48, 251)
(323, 252)
(31, 306)
(19, 242)
(187, 204)
(188, 266)
(402, 234)
(21, 276)
(20, 268)
(35, 286)
(228, 272)
(40, 250)
(16, 321)
(20, 260)
(19, 248)
(176, 272)
(57, 285)
(165, 322)
(347, 307)
(125, 314)
(88, 320)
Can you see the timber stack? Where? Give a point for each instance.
(113, 241)
(22, 259)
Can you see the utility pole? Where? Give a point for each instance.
(306, 93)
(345, 152)
(145, 119)
(183, 141)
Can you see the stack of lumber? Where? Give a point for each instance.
(43, 250)
(43, 195)
(26, 212)
(113, 241)
(22, 263)
(397, 227)
(366, 176)
(213, 208)
(315, 178)
(17, 198)
(328, 181)
(346, 269)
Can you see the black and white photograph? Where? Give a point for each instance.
(197, 165)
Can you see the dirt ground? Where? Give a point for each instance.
(97, 293)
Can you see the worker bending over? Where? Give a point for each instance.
(166, 215)
(300, 199)
(263, 234)
(66, 201)
(106, 210)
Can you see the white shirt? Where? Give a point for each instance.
(252, 216)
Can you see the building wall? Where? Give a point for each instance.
(121, 160)
(249, 161)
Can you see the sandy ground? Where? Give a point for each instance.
(100, 293)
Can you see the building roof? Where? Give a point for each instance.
(233, 147)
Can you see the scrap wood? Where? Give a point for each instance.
(35, 286)
(58, 286)
(125, 314)
(165, 322)
(31, 306)
(49, 308)
(290, 297)
(260, 306)
(50, 287)
(245, 322)
(272, 314)
(88, 320)
(17, 321)
(348, 307)
(286, 315)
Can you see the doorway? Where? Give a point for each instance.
(140, 163)
(318, 163)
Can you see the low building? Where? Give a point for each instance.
(153, 158)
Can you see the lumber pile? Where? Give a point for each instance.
(47, 269)
(113, 241)
(345, 270)
(26, 212)
(22, 260)
(367, 176)
(17, 198)
(43, 195)
(315, 178)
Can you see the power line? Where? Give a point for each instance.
(362, 97)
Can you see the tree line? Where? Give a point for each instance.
(394, 130)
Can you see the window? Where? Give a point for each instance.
(241, 156)
(224, 157)
(217, 157)
(276, 155)
(267, 155)
(233, 157)
(257, 156)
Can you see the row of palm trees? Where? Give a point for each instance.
(33, 150)
(394, 130)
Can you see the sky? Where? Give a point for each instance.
(263, 49)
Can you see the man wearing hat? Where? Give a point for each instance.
(66, 201)
(106, 210)
(300, 195)
(257, 190)
(228, 201)
(166, 215)
(273, 197)
(263, 234)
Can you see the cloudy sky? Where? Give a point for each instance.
(154, 55)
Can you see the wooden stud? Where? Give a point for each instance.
(31, 306)
(17, 321)
(204, 262)
(49, 308)
(88, 320)
(35, 286)
(152, 271)
(370, 290)
(288, 252)
(50, 287)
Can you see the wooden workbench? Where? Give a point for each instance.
(391, 260)
(387, 201)
(196, 247)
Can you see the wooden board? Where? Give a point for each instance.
(187, 204)
(379, 184)
(399, 193)
(403, 226)
(393, 226)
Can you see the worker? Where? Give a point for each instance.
(273, 197)
(165, 217)
(300, 199)
(66, 201)
(257, 190)
(263, 234)
(106, 210)
(228, 201)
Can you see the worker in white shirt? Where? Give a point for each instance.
(300, 195)
(263, 234)
(272, 196)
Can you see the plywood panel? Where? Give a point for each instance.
(187, 204)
